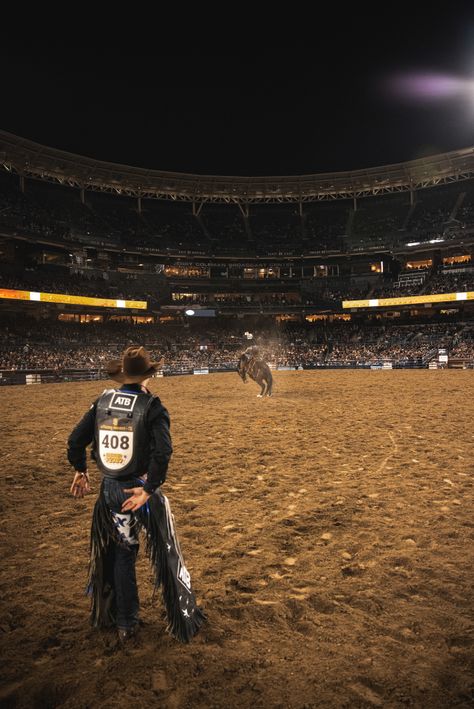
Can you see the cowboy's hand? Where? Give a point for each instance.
(80, 485)
(138, 497)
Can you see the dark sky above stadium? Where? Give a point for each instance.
(327, 107)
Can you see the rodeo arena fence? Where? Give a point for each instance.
(438, 359)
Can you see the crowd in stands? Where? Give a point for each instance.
(326, 226)
(376, 220)
(409, 282)
(84, 285)
(73, 285)
(392, 289)
(153, 288)
(219, 300)
(58, 346)
(102, 286)
(446, 282)
(57, 213)
(442, 281)
(465, 213)
(86, 282)
(335, 292)
(463, 350)
(432, 210)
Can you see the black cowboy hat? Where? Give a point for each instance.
(135, 366)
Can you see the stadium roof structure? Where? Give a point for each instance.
(30, 159)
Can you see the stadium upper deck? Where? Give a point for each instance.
(46, 213)
(30, 159)
(330, 237)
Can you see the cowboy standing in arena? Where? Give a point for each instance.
(131, 445)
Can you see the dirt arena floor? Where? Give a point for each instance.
(328, 531)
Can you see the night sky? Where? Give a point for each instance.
(315, 109)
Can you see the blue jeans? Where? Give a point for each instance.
(123, 555)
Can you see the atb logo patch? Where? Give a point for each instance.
(122, 401)
(184, 576)
(115, 449)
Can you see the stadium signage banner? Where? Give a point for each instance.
(71, 299)
(241, 264)
(408, 300)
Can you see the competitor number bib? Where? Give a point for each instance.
(115, 448)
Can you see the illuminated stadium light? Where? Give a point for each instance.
(409, 300)
(430, 86)
(189, 312)
(435, 241)
(12, 294)
(414, 243)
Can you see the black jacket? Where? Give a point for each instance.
(158, 425)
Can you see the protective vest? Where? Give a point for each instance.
(121, 441)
